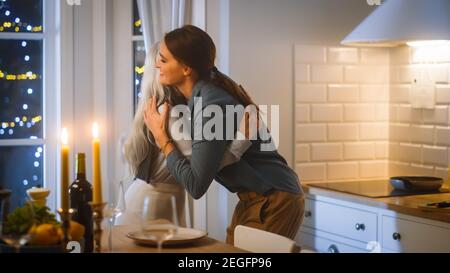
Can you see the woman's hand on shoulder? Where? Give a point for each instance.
(157, 122)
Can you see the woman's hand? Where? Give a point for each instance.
(156, 122)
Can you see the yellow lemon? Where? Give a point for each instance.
(76, 231)
(45, 234)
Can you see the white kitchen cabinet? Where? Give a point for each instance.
(333, 225)
(409, 236)
(341, 220)
(328, 245)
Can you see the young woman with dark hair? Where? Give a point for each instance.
(270, 195)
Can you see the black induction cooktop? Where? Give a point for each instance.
(374, 189)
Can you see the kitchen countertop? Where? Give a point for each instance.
(409, 205)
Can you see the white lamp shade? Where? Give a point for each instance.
(396, 22)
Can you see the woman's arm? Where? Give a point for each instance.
(197, 173)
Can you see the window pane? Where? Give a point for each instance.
(21, 168)
(21, 89)
(21, 16)
(137, 24)
(139, 61)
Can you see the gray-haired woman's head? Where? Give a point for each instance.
(140, 142)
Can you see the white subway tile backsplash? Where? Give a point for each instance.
(405, 113)
(422, 134)
(374, 93)
(302, 73)
(443, 94)
(374, 56)
(354, 119)
(399, 168)
(360, 150)
(441, 172)
(394, 74)
(393, 112)
(382, 112)
(399, 132)
(407, 73)
(378, 74)
(310, 54)
(326, 113)
(382, 150)
(435, 155)
(343, 132)
(342, 170)
(400, 55)
(400, 93)
(421, 170)
(326, 151)
(343, 93)
(311, 132)
(373, 169)
(359, 112)
(438, 115)
(436, 54)
(302, 113)
(434, 72)
(342, 55)
(311, 92)
(373, 131)
(439, 72)
(302, 152)
(443, 136)
(327, 73)
(406, 152)
(311, 171)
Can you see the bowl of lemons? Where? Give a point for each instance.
(34, 229)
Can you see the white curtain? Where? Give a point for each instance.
(161, 16)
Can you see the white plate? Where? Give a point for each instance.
(183, 236)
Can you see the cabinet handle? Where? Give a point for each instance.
(333, 249)
(396, 236)
(308, 213)
(359, 226)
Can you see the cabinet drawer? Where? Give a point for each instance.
(325, 245)
(407, 236)
(352, 223)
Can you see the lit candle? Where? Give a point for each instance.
(64, 170)
(97, 176)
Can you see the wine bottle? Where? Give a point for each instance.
(80, 192)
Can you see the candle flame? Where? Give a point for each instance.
(95, 130)
(64, 136)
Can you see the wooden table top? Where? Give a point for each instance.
(122, 244)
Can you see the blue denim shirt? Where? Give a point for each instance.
(257, 171)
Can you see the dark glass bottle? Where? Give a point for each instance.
(80, 192)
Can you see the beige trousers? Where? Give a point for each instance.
(278, 212)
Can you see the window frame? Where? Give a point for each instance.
(49, 97)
